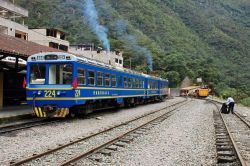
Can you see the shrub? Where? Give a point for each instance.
(245, 101)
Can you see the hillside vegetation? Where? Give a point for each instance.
(194, 38)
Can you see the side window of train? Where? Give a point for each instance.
(140, 82)
(133, 83)
(99, 78)
(129, 82)
(91, 78)
(149, 84)
(125, 82)
(119, 81)
(136, 83)
(81, 76)
(107, 79)
(113, 84)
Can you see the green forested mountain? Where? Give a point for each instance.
(195, 38)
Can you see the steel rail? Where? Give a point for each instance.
(25, 125)
(237, 151)
(100, 147)
(242, 119)
(235, 113)
(28, 159)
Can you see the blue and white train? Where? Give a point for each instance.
(60, 84)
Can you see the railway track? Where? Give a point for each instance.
(103, 142)
(231, 150)
(25, 125)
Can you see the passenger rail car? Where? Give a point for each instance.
(59, 84)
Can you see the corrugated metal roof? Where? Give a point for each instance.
(20, 47)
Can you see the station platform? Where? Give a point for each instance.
(11, 113)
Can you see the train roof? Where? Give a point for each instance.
(41, 57)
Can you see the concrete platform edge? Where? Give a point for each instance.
(16, 117)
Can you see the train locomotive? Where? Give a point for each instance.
(195, 91)
(61, 84)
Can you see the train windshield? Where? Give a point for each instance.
(60, 74)
(37, 74)
(57, 74)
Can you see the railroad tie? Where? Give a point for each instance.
(139, 132)
(125, 140)
(223, 140)
(226, 159)
(223, 148)
(95, 158)
(222, 143)
(120, 144)
(130, 138)
(143, 130)
(226, 153)
(12, 162)
(105, 152)
(134, 135)
(222, 137)
(112, 147)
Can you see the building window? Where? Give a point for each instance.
(81, 78)
(120, 61)
(113, 84)
(116, 60)
(63, 47)
(18, 35)
(91, 78)
(107, 79)
(99, 79)
(53, 45)
(51, 32)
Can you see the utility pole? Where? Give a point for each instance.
(237, 87)
(130, 61)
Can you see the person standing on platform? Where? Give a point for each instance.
(230, 103)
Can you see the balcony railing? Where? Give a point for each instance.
(11, 7)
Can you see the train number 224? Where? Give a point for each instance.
(49, 93)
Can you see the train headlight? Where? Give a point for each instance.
(39, 92)
(61, 57)
(58, 93)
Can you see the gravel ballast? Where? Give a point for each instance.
(186, 138)
(35, 140)
(244, 111)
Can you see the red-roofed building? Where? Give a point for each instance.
(16, 47)
(13, 55)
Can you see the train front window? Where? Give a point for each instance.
(37, 74)
(60, 74)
